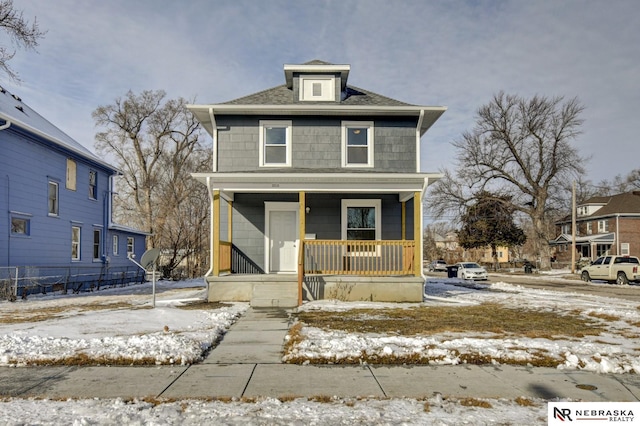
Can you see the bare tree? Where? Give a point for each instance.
(156, 143)
(519, 149)
(22, 34)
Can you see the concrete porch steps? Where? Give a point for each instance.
(282, 293)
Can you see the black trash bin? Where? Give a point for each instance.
(528, 268)
(452, 271)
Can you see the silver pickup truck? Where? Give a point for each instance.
(618, 269)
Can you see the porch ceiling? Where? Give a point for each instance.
(404, 184)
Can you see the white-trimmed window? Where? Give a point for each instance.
(357, 144)
(317, 88)
(275, 143)
(115, 245)
(75, 243)
(130, 246)
(624, 249)
(565, 229)
(97, 239)
(589, 228)
(93, 184)
(361, 220)
(53, 207)
(603, 226)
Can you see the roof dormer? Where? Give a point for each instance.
(316, 81)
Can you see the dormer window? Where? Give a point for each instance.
(315, 88)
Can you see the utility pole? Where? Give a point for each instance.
(573, 228)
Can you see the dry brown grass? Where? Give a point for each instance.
(428, 320)
(203, 305)
(51, 312)
(86, 360)
(602, 316)
(486, 320)
(524, 402)
(474, 402)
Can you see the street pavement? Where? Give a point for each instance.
(247, 363)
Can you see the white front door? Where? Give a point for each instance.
(282, 237)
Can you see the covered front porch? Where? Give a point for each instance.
(346, 237)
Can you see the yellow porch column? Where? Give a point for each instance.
(216, 233)
(417, 230)
(302, 214)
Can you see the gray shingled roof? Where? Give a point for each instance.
(20, 114)
(281, 95)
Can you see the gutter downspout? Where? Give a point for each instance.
(419, 126)
(6, 125)
(214, 136)
(424, 191)
(211, 254)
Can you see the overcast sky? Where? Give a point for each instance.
(451, 53)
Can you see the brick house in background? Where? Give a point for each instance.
(316, 191)
(604, 225)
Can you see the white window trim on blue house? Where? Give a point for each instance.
(266, 125)
(76, 242)
(346, 126)
(53, 203)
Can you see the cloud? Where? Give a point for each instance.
(455, 53)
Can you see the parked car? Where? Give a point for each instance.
(618, 269)
(438, 265)
(471, 271)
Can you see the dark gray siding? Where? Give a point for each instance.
(323, 219)
(316, 144)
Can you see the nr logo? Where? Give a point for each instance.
(562, 414)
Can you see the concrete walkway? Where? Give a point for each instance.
(247, 364)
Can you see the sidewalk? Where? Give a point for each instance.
(247, 364)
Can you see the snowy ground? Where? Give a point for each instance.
(167, 334)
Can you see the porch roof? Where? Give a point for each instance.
(607, 238)
(405, 184)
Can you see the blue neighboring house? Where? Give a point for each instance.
(55, 209)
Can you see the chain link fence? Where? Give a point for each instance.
(21, 281)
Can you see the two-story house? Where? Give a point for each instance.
(604, 225)
(316, 191)
(55, 217)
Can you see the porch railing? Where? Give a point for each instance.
(364, 258)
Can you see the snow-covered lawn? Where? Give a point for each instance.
(615, 351)
(168, 334)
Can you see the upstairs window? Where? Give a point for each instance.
(275, 143)
(589, 228)
(603, 226)
(71, 174)
(115, 245)
(93, 185)
(357, 144)
(53, 208)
